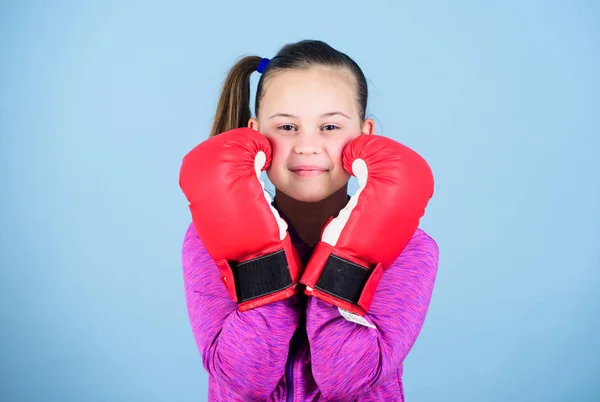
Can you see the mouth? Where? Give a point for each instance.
(308, 171)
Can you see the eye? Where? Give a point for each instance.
(286, 127)
(330, 127)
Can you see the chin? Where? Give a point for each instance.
(312, 193)
(308, 195)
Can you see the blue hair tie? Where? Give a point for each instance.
(262, 65)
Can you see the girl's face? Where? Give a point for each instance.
(309, 116)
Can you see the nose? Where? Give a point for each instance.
(308, 143)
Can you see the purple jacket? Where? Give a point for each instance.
(301, 348)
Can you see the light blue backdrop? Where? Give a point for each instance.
(100, 100)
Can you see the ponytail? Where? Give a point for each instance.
(233, 110)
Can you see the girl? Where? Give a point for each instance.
(285, 302)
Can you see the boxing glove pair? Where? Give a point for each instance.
(248, 239)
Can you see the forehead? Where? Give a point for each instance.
(311, 90)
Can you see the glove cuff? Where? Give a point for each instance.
(263, 279)
(341, 280)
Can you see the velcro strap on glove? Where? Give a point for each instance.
(261, 276)
(343, 279)
(351, 283)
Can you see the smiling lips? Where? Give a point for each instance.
(308, 171)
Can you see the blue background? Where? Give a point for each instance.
(99, 101)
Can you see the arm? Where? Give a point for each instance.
(347, 358)
(244, 352)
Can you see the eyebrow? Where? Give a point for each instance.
(323, 115)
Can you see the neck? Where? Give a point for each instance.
(307, 218)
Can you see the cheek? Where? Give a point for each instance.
(279, 152)
(335, 153)
(335, 149)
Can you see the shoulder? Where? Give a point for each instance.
(409, 280)
(421, 239)
(191, 231)
(192, 246)
(421, 249)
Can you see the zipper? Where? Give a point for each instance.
(289, 378)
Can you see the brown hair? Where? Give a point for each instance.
(233, 110)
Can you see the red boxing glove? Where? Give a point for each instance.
(368, 235)
(235, 220)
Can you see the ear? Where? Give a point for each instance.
(368, 126)
(253, 124)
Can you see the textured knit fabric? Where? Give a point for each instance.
(301, 348)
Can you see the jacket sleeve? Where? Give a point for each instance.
(349, 359)
(244, 352)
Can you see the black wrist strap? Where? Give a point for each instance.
(261, 276)
(343, 279)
